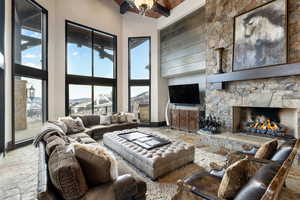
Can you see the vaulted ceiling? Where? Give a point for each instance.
(169, 4)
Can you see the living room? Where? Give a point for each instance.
(149, 99)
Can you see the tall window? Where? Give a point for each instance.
(139, 76)
(2, 94)
(29, 69)
(91, 70)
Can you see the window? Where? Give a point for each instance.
(139, 77)
(91, 70)
(2, 82)
(29, 70)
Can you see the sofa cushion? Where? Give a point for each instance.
(267, 150)
(251, 191)
(66, 174)
(122, 118)
(74, 125)
(115, 118)
(266, 173)
(88, 120)
(258, 184)
(52, 143)
(93, 120)
(105, 119)
(97, 164)
(282, 154)
(233, 180)
(132, 118)
(86, 140)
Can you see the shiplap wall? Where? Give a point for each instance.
(183, 46)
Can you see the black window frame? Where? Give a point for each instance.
(30, 72)
(2, 81)
(90, 80)
(139, 82)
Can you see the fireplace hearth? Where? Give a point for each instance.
(266, 121)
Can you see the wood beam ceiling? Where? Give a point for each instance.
(160, 8)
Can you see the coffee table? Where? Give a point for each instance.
(154, 162)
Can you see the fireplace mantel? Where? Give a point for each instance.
(258, 73)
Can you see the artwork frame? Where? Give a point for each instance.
(281, 43)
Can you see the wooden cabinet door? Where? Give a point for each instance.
(193, 121)
(175, 118)
(184, 120)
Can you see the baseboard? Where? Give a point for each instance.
(153, 124)
(158, 124)
(11, 146)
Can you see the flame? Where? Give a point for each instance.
(265, 125)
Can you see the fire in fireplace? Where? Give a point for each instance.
(276, 122)
(265, 127)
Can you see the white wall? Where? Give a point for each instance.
(138, 26)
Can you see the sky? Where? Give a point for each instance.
(80, 61)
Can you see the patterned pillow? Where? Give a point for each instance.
(98, 165)
(115, 118)
(66, 174)
(74, 125)
(52, 143)
(61, 125)
(122, 118)
(234, 179)
(267, 150)
(132, 117)
(105, 119)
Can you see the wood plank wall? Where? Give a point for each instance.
(183, 46)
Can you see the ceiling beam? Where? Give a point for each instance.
(125, 6)
(161, 9)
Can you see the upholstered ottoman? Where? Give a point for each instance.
(155, 162)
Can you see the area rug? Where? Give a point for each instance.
(165, 187)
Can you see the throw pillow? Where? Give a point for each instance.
(97, 164)
(122, 118)
(115, 118)
(79, 121)
(233, 180)
(52, 143)
(74, 125)
(267, 150)
(131, 117)
(105, 119)
(61, 125)
(66, 174)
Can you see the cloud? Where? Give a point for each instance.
(29, 55)
(75, 53)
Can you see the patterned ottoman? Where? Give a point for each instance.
(155, 162)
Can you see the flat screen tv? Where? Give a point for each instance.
(184, 94)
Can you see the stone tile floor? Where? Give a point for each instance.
(18, 170)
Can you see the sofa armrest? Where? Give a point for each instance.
(125, 187)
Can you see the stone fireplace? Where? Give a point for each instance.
(230, 102)
(265, 121)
